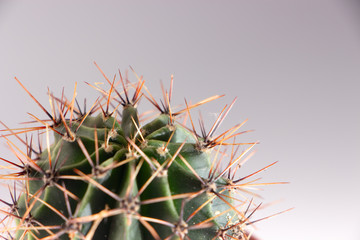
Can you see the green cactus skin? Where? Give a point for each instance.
(108, 177)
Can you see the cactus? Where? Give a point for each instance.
(110, 174)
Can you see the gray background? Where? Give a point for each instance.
(294, 65)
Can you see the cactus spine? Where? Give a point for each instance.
(109, 175)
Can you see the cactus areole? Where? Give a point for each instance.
(111, 173)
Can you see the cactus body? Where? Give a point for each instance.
(110, 176)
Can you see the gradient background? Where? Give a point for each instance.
(294, 65)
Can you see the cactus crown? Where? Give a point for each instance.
(111, 174)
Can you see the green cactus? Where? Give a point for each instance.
(110, 175)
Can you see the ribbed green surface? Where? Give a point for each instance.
(124, 170)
